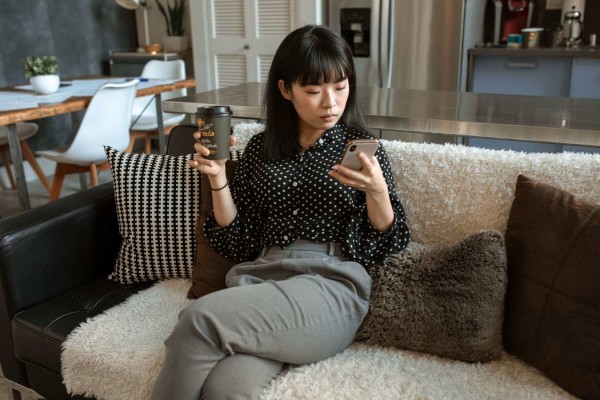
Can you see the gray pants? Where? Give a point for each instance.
(298, 305)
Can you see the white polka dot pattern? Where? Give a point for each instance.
(295, 198)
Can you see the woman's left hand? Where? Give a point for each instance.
(369, 179)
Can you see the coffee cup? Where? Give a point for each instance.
(214, 125)
(531, 37)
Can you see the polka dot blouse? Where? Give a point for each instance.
(295, 198)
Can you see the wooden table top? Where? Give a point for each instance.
(78, 103)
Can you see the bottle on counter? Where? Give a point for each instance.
(593, 41)
(555, 35)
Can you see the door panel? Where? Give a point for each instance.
(231, 69)
(245, 36)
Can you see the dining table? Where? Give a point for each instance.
(20, 104)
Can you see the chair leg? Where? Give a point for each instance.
(6, 161)
(148, 141)
(94, 175)
(34, 164)
(132, 138)
(59, 177)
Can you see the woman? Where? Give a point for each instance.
(309, 225)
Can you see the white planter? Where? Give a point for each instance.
(175, 43)
(45, 84)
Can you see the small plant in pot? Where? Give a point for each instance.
(173, 14)
(42, 73)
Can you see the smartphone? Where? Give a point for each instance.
(350, 155)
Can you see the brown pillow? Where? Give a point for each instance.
(443, 300)
(210, 268)
(552, 317)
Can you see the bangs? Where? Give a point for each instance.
(320, 67)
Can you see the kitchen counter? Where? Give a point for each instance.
(528, 118)
(584, 52)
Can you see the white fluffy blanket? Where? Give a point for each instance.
(450, 192)
(117, 356)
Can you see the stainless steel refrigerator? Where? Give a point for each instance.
(409, 44)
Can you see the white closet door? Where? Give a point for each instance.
(228, 36)
(234, 41)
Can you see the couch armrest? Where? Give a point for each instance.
(51, 249)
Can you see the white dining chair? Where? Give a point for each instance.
(144, 108)
(25, 130)
(106, 122)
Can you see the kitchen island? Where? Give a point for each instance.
(559, 120)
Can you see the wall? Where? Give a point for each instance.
(79, 32)
(157, 27)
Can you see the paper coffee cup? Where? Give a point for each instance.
(214, 125)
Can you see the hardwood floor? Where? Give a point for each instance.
(6, 388)
(38, 195)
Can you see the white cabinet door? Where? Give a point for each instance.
(234, 40)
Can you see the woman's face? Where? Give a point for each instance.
(319, 107)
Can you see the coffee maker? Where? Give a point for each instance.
(505, 17)
(573, 27)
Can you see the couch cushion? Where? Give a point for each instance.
(210, 268)
(553, 297)
(40, 331)
(450, 191)
(158, 202)
(443, 300)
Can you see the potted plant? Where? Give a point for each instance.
(173, 14)
(42, 73)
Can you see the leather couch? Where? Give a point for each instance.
(54, 263)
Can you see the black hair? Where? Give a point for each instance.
(311, 55)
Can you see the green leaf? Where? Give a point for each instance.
(173, 15)
(44, 65)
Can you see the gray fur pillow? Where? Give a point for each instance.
(447, 301)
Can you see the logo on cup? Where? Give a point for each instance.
(205, 128)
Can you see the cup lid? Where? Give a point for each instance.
(532, 29)
(214, 110)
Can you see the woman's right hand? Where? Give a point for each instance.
(208, 167)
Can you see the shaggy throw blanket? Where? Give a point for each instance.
(117, 355)
(450, 192)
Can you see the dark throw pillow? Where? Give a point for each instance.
(210, 268)
(552, 318)
(446, 301)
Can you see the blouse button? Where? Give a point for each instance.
(294, 184)
(285, 237)
(295, 212)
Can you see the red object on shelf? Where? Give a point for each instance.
(515, 16)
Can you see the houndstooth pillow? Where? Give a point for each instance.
(158, 202)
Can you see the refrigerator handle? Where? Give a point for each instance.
(386, 50)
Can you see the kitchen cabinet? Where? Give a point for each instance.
(585, 78)
(528, 76)
(538, 72)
